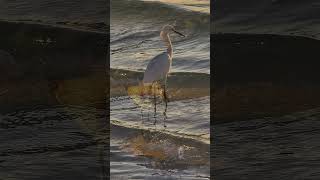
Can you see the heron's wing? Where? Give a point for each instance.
(157, 68)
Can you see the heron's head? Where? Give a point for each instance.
(167, 29)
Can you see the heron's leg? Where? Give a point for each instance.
(142, 98)
(149, 99)
(141, 114)
(166, 104)
(166, 87)
(155, 105)
(149, 107)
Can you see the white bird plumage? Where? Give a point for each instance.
(159, 67)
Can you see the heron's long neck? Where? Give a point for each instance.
(166, 39)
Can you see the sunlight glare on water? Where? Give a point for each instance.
(194, 5)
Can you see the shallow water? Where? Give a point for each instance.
(63, 142)
(283, 147)
(299, 18)
(52, 126)
(181, 149)
(156, 154)
(78, 14)
(44, 139)
(135, 29)
(56, 113)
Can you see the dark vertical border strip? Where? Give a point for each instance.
(211, 90)
(104, 152)
(108, 89)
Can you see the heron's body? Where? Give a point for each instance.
(159, 67)
(153, 74)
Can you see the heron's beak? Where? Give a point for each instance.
(178, 33)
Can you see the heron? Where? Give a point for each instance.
(158, 68)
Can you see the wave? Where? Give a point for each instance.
(293, 137)
(71, 13)
(181, 85)
(40, 63)
(159, 151)
(47, 48)
(132, 49)
(264, 16)
(281, 54)
(256, 69)
(157, 13)
(135, 28)
(168, 151)
(122, 129)
(187, 117)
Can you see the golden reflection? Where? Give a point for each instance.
(137, 92)
(89, 90)
(166, 153)
(140, 146)
(144, 95)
